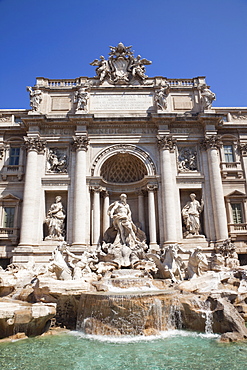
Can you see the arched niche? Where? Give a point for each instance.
(120, 154)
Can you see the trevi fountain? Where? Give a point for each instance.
(124, 302)
(130, 251)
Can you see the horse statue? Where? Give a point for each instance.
(169, 264)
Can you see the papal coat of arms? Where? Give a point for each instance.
(121, 67)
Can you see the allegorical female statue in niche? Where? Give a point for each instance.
(190, 213)
(55, 220)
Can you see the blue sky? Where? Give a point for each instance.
(184, 39)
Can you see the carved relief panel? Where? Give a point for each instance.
(57, 161)
(187, 159)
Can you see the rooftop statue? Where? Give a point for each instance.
(161, 96)
(81, 99)
(207, 97)
(35, 98)
(121, 67)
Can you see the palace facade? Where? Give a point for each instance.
(86, 141)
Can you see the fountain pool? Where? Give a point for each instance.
(171, 350)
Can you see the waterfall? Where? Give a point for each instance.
(208, 315)
(110, 313)
(158, 314)
(175, 318)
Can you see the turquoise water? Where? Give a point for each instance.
(173, 350)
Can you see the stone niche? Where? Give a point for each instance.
(50, 197)
(184, 198)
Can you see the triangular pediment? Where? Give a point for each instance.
(9, 197)
(236, 193)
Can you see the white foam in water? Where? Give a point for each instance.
(185, 333)
(112, 339)
(143, 338)
(134, 289)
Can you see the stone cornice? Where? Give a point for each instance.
(33, 120)
(56, 120)
(80, 119)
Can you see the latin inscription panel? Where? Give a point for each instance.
(121, 102)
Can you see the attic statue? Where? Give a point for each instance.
(161, 97)
(207, 97)
(81, 99)
(35, 98)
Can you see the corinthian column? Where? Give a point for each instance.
(151, 214)
(106, 218)
(80, 189)
(167, 145)
(96, 214)
(32, 179)
(141, 214)
(212, 144)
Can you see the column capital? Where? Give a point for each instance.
(211, 142)
(105, 192)
(35, 144)
(243, 149)
(152, 187)
(97, 188)
(140, 192)
(80, 142)
(166, 142)
(2, 150)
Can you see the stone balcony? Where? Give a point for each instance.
(237, 231)
(231, 169)
(12, 170)
(9, 233)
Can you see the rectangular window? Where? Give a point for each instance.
(9, 214)
(14, 156)
(228, 153)
(237, 213)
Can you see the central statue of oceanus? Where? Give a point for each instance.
(120, 212)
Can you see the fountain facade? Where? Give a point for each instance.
(125, 195)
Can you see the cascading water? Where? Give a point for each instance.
(175, 316)
(207, 314)
(125, 313)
